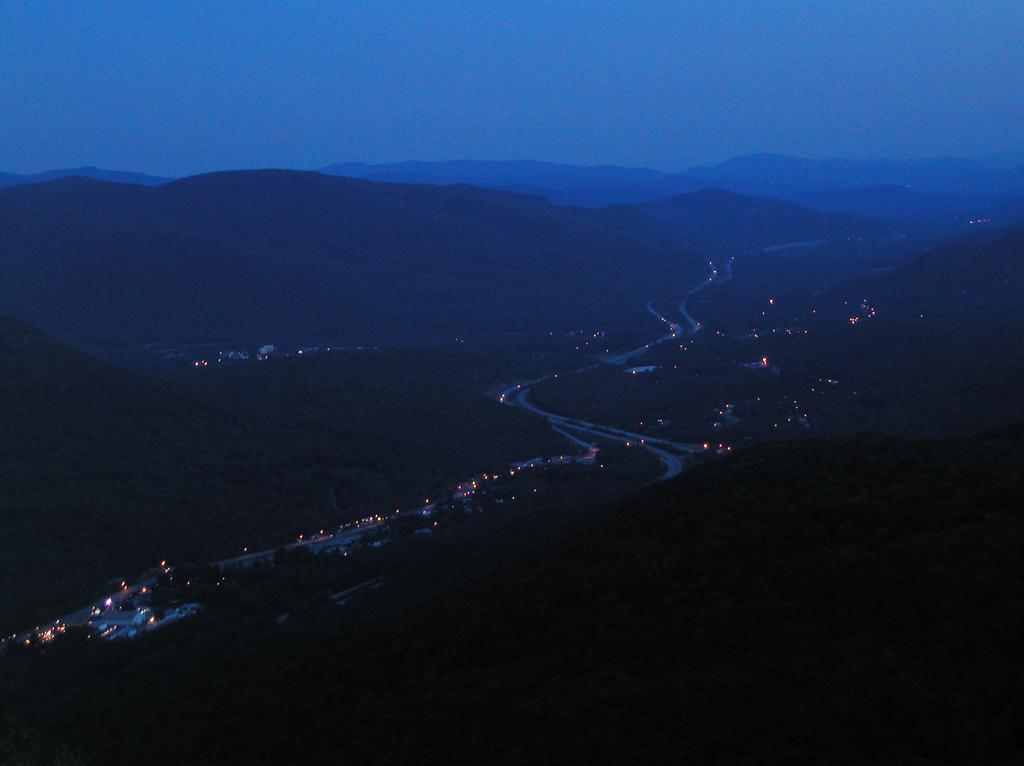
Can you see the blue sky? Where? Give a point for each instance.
(175, 88)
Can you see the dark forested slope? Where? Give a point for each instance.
(738, 224)
(842, 601)
(104, 472)
(971, 278)
(276, 253)
(265, 255)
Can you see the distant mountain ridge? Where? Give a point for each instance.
(468, 171)
(942, 175)
(941, 189)
(893, 189)
(99, 174)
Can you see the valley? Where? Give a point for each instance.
(362, 479)
(511, 383)
(761, 375)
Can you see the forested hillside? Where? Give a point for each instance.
(105, 472)
(842, 601)
(270, 254)
(738, 224)
(266, 255)
(971, 279)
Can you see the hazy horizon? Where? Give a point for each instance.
(174, 91)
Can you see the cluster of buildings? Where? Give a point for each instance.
(109, 622)
(113, 624)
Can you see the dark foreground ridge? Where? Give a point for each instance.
(851, 600)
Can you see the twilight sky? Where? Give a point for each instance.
(182, 87)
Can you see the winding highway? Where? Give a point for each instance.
(518, 395)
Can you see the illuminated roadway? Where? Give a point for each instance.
(518, 395)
